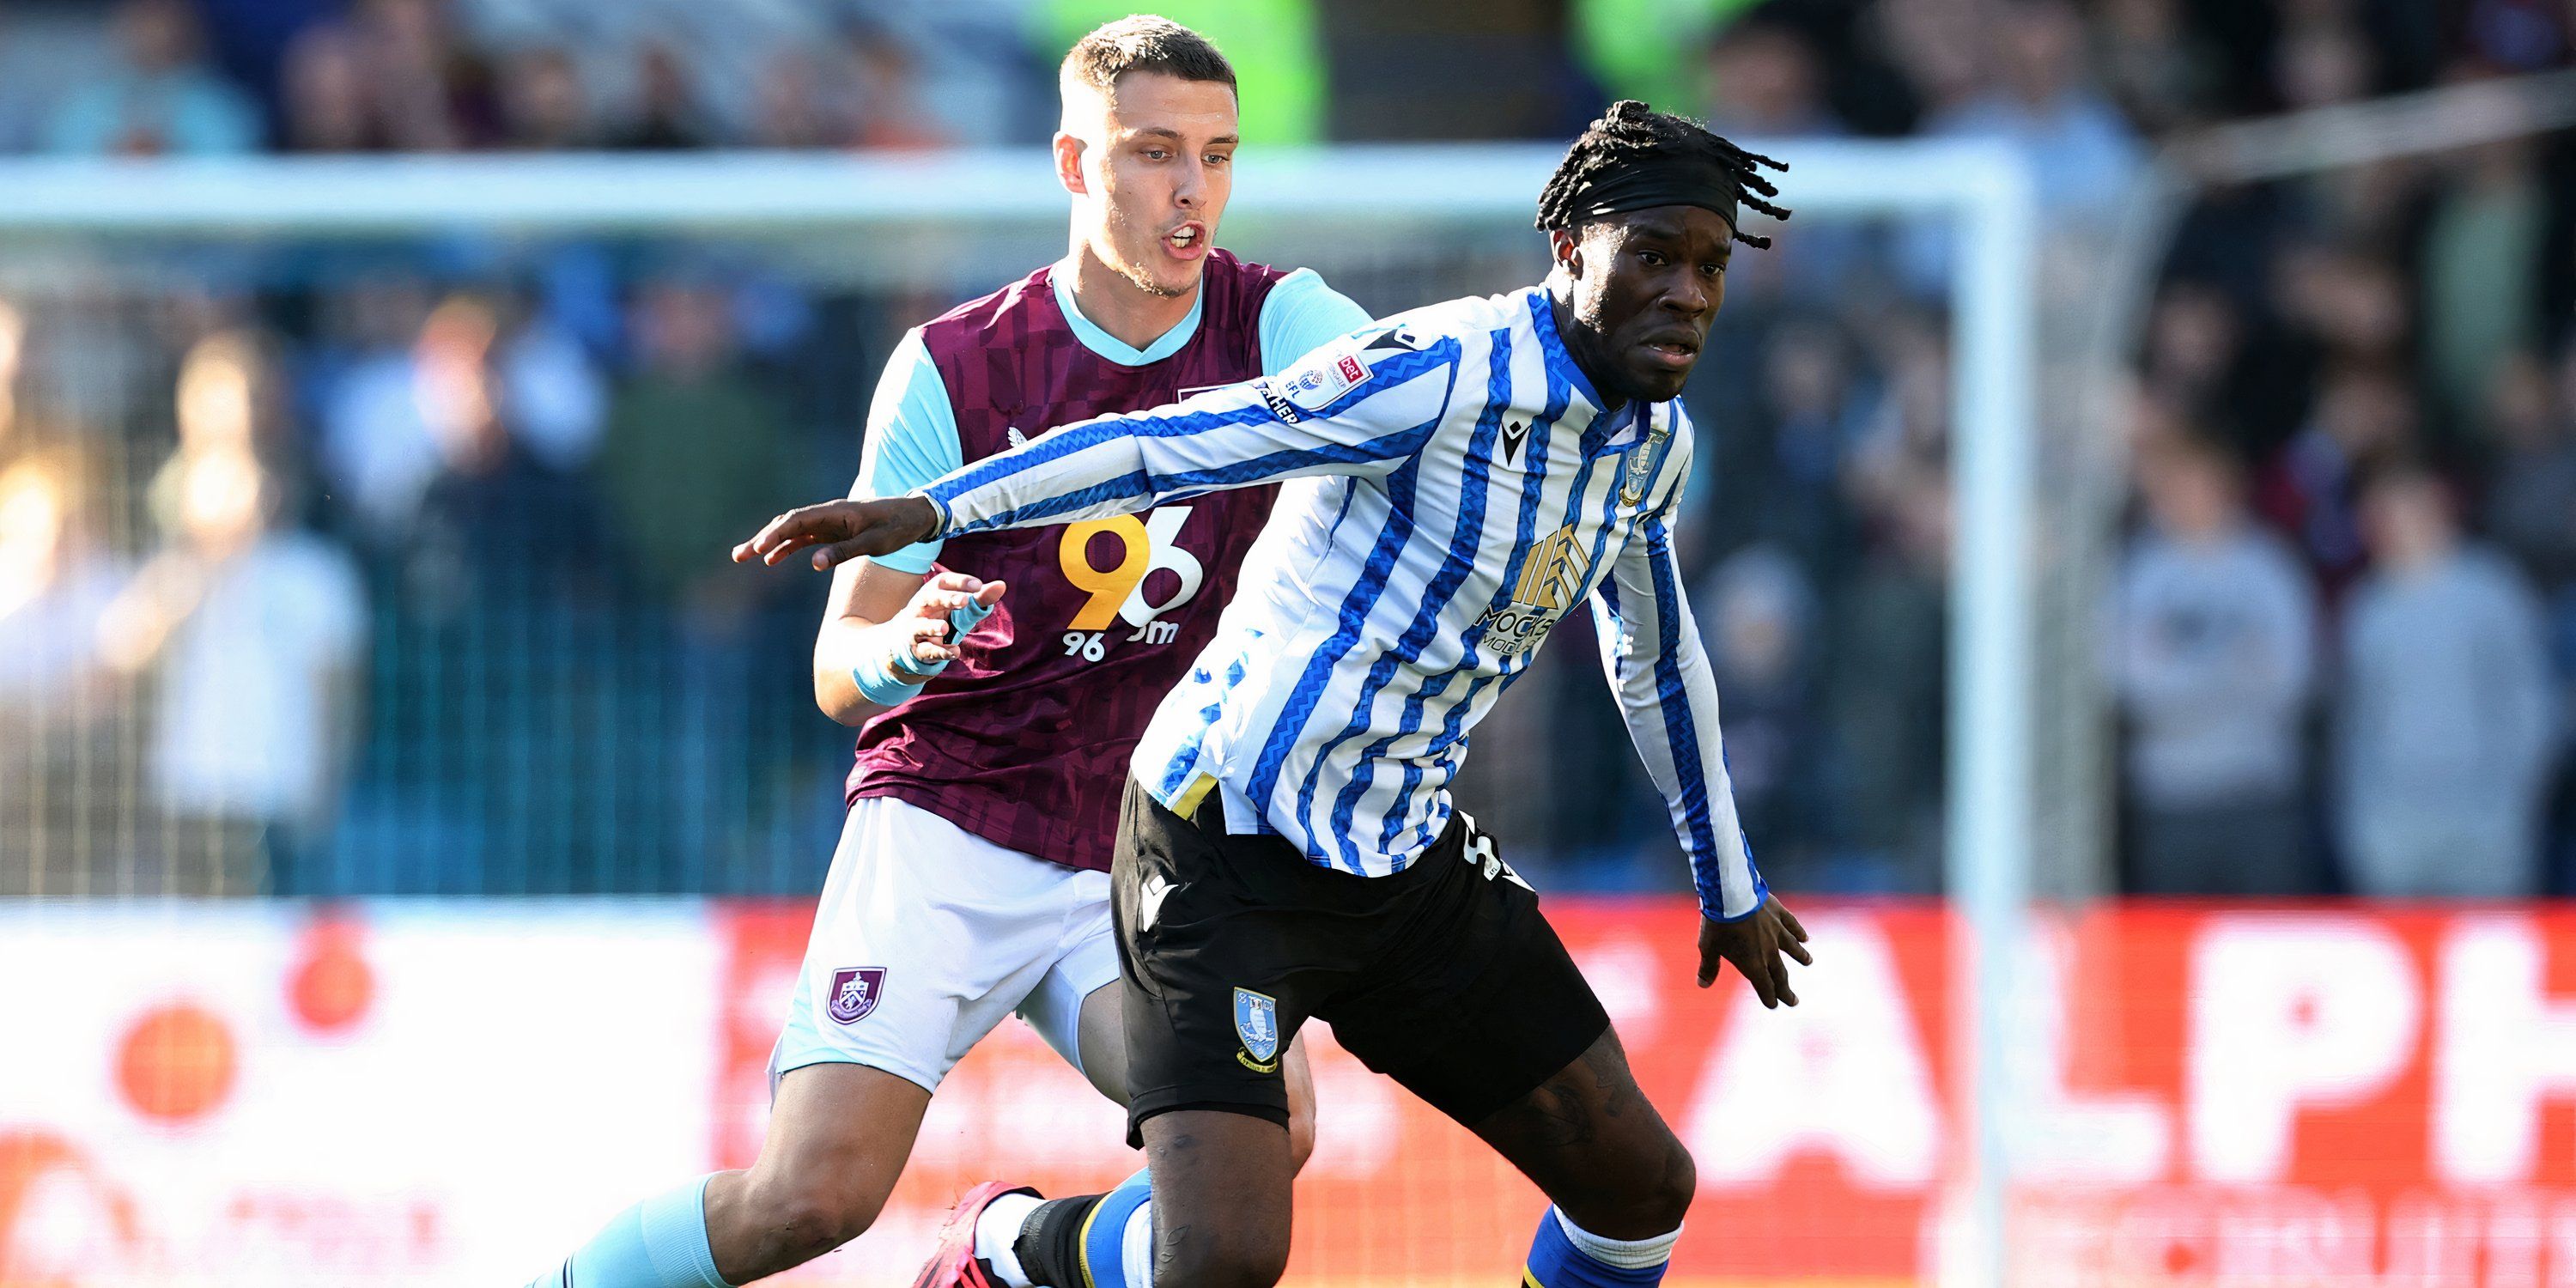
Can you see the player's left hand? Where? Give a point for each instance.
(1756, 945)
(840, 531)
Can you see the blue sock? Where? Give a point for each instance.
(1110, 1259)
(658, 1243)
(1566, 1256)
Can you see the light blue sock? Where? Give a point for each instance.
(658, 1243)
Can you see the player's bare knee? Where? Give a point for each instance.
(1652, 1199)
(1670, 1199)
(1636, 1195)
(806, 1218)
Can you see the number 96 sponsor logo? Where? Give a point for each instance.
(1118, 591)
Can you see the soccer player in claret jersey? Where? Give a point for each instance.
(1465, 474)
(971, 877)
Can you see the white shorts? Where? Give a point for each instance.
(928, 935)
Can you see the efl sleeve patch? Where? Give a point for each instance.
(1278, 405)
(1321, 378)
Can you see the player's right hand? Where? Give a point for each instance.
(840, 531)
(922, 626)
(1755, 946)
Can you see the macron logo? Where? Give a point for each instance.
(1149, 899)
(1513, 433)
(1017, 438)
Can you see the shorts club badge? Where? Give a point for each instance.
(854, 992)
(1256, 1021)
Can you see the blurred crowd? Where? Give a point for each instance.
(404, 572)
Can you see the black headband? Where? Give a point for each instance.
(1658, 179)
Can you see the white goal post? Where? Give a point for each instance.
(935, 205)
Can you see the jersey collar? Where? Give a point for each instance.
(1109, 346)
(1543, 321)
(1610, 431)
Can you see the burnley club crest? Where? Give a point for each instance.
(854, 992)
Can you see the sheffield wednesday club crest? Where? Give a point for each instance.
(1256, 1021)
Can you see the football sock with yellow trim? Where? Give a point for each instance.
(1565, 1255)
(1091, 1240)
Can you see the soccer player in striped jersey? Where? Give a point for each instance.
(971, 878)
(1462, 476)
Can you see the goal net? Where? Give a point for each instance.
(362, 530)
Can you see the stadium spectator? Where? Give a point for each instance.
(2446, 717)
(2531, 507)
(1763, 83)
(2214, 645)
(160, 98)
(1882, 671)
(432, 90)
(2364, 417)
(256, 635)
(557, 399)
(498, 527)
(2162, 73)
(387, 410)
(230, 399)
(55, 582)
(324, 97)
(1759, 626)
(545, 107)
(1778, 476)
(667, 115)
(379, 449)
(887, 111)
(791, 112)
(2195, 339)
(2322, 60)
(2082, 153)
(1941, 48)
(694, 450)
(1884, 710)
(2481, 299)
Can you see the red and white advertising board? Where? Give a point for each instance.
(458, 1093)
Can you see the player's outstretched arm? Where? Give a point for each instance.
(839, 531)
(1651, 649)
(1347, 411)
(1342, 411)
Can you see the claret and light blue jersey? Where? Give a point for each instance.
(1455, 489)
(912, 427)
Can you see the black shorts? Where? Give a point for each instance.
(1443, 976)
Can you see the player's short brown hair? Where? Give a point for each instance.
(1142, 42)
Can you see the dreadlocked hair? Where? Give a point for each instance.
(1631, 130)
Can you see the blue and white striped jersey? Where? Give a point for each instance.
(1457, 490)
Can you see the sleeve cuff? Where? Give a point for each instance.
(947, 520)
(1761, 895)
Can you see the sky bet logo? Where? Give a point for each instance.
(1552, 578)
